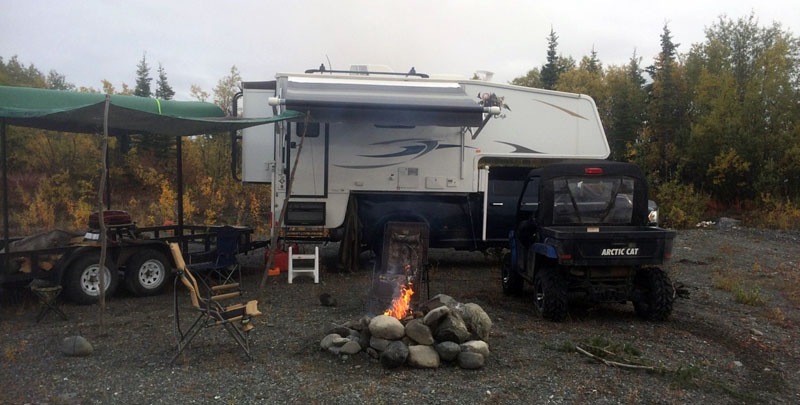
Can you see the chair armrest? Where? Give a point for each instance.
(224, 287)
(226, 296)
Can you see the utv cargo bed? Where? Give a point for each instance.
(588, 245)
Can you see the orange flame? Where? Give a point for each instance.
(401, 306)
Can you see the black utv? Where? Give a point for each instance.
(582, 232)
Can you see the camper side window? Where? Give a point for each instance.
(313, 129)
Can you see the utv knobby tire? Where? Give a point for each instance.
(147, 272)
(512, 281)
(656, 294)
(550, 293)
(79, 281)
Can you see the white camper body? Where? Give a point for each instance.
(417, 147)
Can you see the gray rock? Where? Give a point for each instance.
(340, 330)
(737, 363)
(726, 222)
(476, 346)
(334, 349)
(437, 301)
(756, 332)
(378, 343)
(470, 360)
(433, 317)
(373, 353)
(327, 341)
(419, 332)
(76, 346)
(448, 351)
(339, 341)
(422, 356)
(386, 327)
(452, 328)
(408, 341)
(350, 348)
(360, 324)
(478, 322)
(364, 338)
(394, 355)
(326, 300)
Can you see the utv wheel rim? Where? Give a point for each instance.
(90, 280)
(539, 296)
(151, 274)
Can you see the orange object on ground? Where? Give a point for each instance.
(275, 272)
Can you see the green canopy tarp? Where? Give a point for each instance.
(71, 111)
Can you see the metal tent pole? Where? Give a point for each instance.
(5, 191)
(179, 153)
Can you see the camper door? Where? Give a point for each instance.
(311, 177)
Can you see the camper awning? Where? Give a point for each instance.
(71, 111)
(383, 102)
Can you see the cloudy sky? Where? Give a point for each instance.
(198, 41)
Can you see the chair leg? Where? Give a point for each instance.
(186, 339)
(240, 338)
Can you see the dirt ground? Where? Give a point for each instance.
(734, 339)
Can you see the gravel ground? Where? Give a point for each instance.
(697, 353)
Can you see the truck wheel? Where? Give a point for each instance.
(512, 282)
(550, 288)
(655, 294)
(82, 281)
(147, 272)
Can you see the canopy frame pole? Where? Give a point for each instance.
(179, 164)
(276, 227)
(103, 236)
(5, 192)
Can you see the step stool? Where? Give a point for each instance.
(313, 270)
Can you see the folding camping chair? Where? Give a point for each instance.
(234, 318)
(220, 262)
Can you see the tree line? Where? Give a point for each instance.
(53, 176)
(715, 127)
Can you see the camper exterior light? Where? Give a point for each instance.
(492, 110)
(275, 101)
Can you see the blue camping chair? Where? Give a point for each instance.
(219, 265)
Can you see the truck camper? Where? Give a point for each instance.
(408, 147)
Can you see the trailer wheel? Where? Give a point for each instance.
(147, 272)
(550, 289)
(512, 282)
(655, 294)
(82, 281)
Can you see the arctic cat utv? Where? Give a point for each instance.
(582, 233)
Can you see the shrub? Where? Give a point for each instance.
(680, 205)
(774, 213)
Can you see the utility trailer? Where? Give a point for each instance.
(138, 258)
(407, 147)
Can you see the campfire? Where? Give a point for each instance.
(401, 306)
(405, 331)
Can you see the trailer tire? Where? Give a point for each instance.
(656, 294)
(147, 272)
(512, 281)
(81, 282)
(550, 293)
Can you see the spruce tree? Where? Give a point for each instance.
(143, 78)
(163, 90)
(550, 70)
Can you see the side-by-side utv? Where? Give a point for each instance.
(582, 232)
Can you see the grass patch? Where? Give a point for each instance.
(749, 296)
(725, 282)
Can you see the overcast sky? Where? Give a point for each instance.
(198, 41)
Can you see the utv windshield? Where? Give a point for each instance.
(588, 200)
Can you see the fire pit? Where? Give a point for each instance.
(439, 330)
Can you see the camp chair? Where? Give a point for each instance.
(234, 318)
(220, 263)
